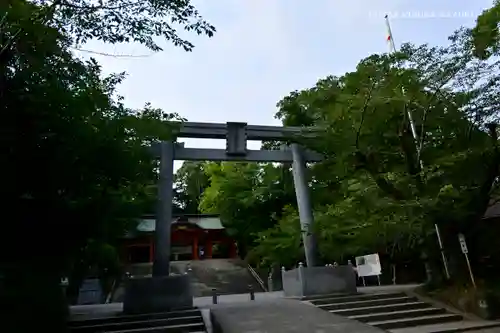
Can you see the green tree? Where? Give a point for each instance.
(280, 245)
(81, 158)
(486, 33)
(190, 181)
(368, 142)
(123, 21)
(372, 193)
(249, 197)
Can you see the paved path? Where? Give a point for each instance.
(282, 316)
(465, 326)
(490, 330)
(113, 309)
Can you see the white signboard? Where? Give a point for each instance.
(368, 265)
(463, 244)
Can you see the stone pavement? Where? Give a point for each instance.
(487, 330)
(463, 326)
(268, 303)
(113, 309)
(450, 328)
(279, 316)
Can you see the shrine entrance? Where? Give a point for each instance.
(163, 291)
(236, 136)
(192, 242)
(193, 237)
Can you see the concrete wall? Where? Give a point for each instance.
(292, 283)
(307, 281)
(157, 294)
(327, 280)
(90, 292)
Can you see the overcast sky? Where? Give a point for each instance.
(263, 49)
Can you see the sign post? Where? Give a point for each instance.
(465, 251)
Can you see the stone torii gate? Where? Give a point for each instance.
(236, 136)
(164, 291)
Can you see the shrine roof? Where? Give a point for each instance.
(203, 221)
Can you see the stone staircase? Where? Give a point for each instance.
(398, 312)
(185, 321)
(227, 276)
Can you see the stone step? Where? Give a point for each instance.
(383, 316)
(133, 318)
(366, 303)
(227, 276)
(381, 308)
(453, 327)
(417, 321)
(319, 297)
(129, 325)
(485, 330)
(191, 328)
(354, 298)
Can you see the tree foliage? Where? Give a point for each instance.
(190, 182)
(123, 21)
(280, 244)
(80, 152)
(378, 189)
(453, 99)
(69, 121)
(248, 196)
(81, 160)
(487, 32)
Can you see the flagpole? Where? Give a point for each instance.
(392, 49)
(390, 40)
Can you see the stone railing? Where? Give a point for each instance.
(307, 281)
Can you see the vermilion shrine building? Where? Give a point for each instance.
(194, 237)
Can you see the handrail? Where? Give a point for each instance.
(257, 277)
(109, 297)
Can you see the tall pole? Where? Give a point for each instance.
(390, 40)
(304, 204)
(163, 224)
(392, 49)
